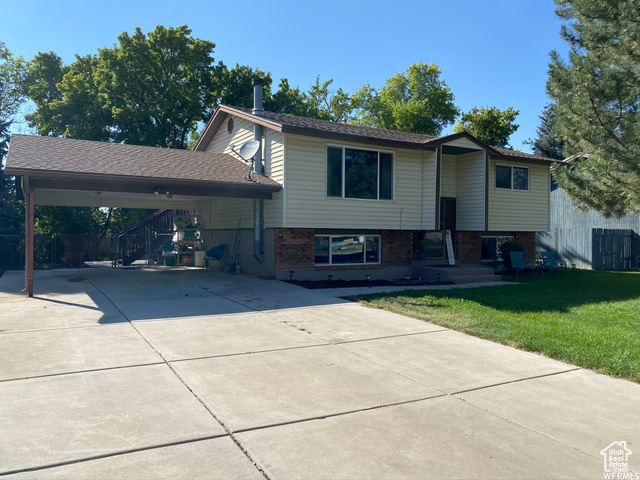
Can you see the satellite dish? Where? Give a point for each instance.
(246, 153)
(249, 149)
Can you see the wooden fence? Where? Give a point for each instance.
(596, 248)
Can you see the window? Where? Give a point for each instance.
(347, 249)
(355, 173)
(513, 178)
(491, 243)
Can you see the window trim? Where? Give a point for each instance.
(343, 174)
(347, 265)
(511, 167)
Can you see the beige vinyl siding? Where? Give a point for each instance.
(307, 205)
(470, 188)
(516, 210)
(227, 211)
(274, 168)
(464, 143)
(222, 141)
(220, 213)
(429, 169)
(242, 133)
(274, 154)
(448, 176)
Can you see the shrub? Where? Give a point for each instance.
(505, 250)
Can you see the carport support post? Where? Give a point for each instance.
(29, 199)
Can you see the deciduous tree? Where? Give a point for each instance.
(11, 99)
(490, 125)
(413, 101)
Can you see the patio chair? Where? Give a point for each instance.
(549, 262)
(214, 253)
(517, 262)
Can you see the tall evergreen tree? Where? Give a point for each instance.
(547, 143)
(597, 97)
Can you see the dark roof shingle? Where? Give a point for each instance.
(301, 125)
(304, 123)
(30, 154)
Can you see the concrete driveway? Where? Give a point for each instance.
(189, 374)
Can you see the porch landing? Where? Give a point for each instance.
(459, 274)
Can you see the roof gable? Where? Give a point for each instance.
(321, 128)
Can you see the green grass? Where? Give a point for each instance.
(586, 318)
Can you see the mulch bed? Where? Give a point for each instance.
(313, 284)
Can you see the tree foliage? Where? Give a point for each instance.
(547, 143)
(147, 90)
(11, 99)
(412, 101)
(597, 96)
(490, 125)
(234, 85)
(324, 104)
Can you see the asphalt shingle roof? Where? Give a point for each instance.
(298, 124)
(30, 154)
(340, 128)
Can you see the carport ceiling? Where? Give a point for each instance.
(84, 173)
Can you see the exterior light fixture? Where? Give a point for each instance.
(330, 277)
(291, 272)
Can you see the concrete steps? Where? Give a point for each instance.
(459, 274)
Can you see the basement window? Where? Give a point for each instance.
(347, 249)
(357, 173)
(491, 244)
(512, 178)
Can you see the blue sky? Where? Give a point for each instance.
(490, 52)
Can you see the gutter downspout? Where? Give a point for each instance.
(258, 169)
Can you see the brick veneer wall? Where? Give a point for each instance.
(469, 248)
(528, 242)
(295, 249)
(397, 247)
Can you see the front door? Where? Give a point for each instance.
(448, 219)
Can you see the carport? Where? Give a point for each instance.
(80, 173)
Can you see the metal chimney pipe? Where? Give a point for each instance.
(258, 203)
(257, 84)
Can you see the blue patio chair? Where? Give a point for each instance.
(517, 262)
(214, 253)
(549, 262)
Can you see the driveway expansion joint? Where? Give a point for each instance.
(109, 455)
(339, 414)
(518, 380)
(78, 372)
(183, 381)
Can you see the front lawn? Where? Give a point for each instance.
(586, 318)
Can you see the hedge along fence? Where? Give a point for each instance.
(54, 250)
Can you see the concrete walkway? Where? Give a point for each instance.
(188, 374)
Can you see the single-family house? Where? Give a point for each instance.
(323, 198)
(357, 198)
